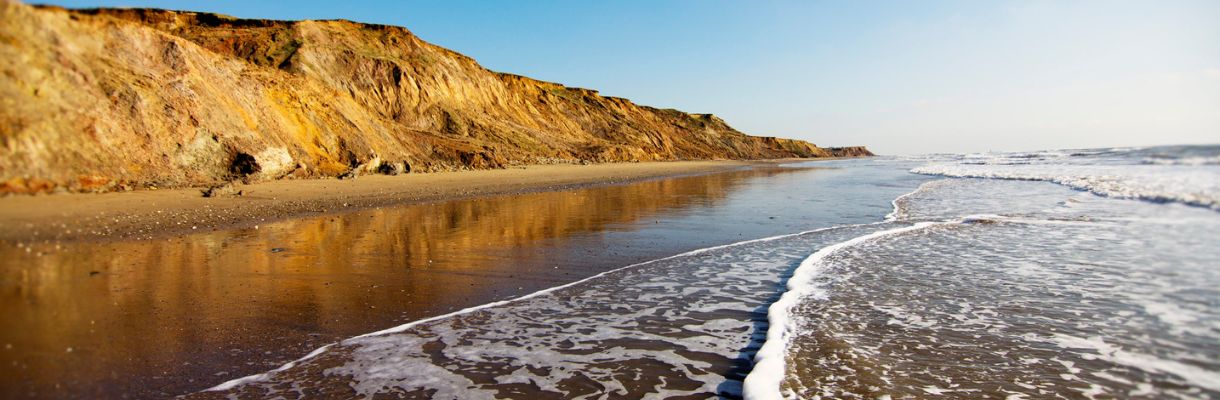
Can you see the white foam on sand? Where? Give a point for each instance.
(764, 380)
(1192, 374)
(401, 328)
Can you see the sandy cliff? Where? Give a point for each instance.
(96, 100)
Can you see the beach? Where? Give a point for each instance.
(154, 308)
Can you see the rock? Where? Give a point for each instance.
(226, 189)
(274, 162)
(854, 151)
(394, 168)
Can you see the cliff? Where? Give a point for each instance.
(106, 99)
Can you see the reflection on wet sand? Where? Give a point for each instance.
(156, 318)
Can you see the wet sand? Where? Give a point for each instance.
(148, 214)
(150, 312)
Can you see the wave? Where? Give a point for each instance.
(1198, 187)
(872, 303)
(764, 380)
(899, 212)
(1192, 161)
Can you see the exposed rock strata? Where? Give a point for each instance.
(112, 99)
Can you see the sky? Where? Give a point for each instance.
(902, 77)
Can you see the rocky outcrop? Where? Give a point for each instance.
(106, 99)
(850, 151)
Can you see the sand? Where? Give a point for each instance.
(233, 286)
(149, 214)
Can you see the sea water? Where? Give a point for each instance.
(1088, 273)
(1060, 274)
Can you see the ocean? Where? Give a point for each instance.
(1053, 274)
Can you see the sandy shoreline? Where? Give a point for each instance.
(229, 300)
(150, 214)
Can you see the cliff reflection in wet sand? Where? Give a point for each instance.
(154, 318)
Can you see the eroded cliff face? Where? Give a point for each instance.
(96, 100)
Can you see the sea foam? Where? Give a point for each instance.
(764, 380)
(1041, 291)
(1195, 186)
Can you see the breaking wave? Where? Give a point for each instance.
(1142, 174)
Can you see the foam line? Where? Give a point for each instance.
(1120, 182)
(764, 380)
(252, 378)
(893, 215)
(262, 376)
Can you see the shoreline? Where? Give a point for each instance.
(157, 214)
(227, 303)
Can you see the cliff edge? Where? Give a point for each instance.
(110, 99)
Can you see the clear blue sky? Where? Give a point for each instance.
(899, 76)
